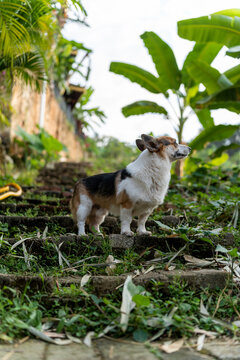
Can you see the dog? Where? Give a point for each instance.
(134, 191)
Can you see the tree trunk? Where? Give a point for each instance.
(179, 168)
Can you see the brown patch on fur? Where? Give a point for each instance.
(163, 142)
(124, 200)
(96, 216)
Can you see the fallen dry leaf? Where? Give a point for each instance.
(52, 334)
(172, 347)
(198, 262)
(210, 334)
(200, 342)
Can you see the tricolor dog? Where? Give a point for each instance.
(134, 191)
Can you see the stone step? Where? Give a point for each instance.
(41, 209)
(118, 349)
(117, 243)
(102, 284)
(35, 201)
(53, 192)
(111, 223)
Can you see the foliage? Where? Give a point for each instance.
(38, 149)
(109, 154)
(65, 64)
(183, 85)
(84, 115)
(222, 28)
(207, 194)
(31, 45)
(25, 34)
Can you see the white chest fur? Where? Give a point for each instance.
(148, 184)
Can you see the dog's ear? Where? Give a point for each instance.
(150, 143)
(140, 144)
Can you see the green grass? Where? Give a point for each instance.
(207, 203)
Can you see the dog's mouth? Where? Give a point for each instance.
(182, 154)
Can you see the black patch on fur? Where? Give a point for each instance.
(125, 174)
(104, 184)
(165, 142)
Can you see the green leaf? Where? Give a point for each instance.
(229, 105)
(205, 52)
(219, 160)
(234, 52)
(164, 60)
(229, 12)
(210, 77)
(221, 248)
(214, 133)
(137, 75)
(191, 93)
(163, 226)
(224, 148)
(140, 335)
(233, 74)
(228, 99)
(143, 107)
(141, 300)
(233, 252)
(205, 118)
(216, 28)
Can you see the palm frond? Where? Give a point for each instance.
(30, 68)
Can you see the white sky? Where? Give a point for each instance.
(114, 35)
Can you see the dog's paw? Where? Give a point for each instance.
(149, 233)
(99, 234)
(127, 233)
(82, 234)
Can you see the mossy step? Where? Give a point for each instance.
(101, 284)
(35, 201)
(141, 244)
(110, 225)
(42, 209)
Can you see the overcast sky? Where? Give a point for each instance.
(114, 35)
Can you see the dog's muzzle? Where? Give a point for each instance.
(182, 152)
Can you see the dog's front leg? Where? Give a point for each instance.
(141, 230)
(126, 219)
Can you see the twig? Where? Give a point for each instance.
(174, 257)
(219, 300)
(20, 242)
(208, 185)
(158, 259)
(236, 311)
(88, 258)
(185, 215)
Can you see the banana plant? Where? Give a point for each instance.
(222, 28)
(181, 84)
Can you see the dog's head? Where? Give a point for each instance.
(164, 146)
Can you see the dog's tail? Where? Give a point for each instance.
(75, 202)
(72, 209)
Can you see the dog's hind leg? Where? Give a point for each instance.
(96, 218)
(83, 211)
